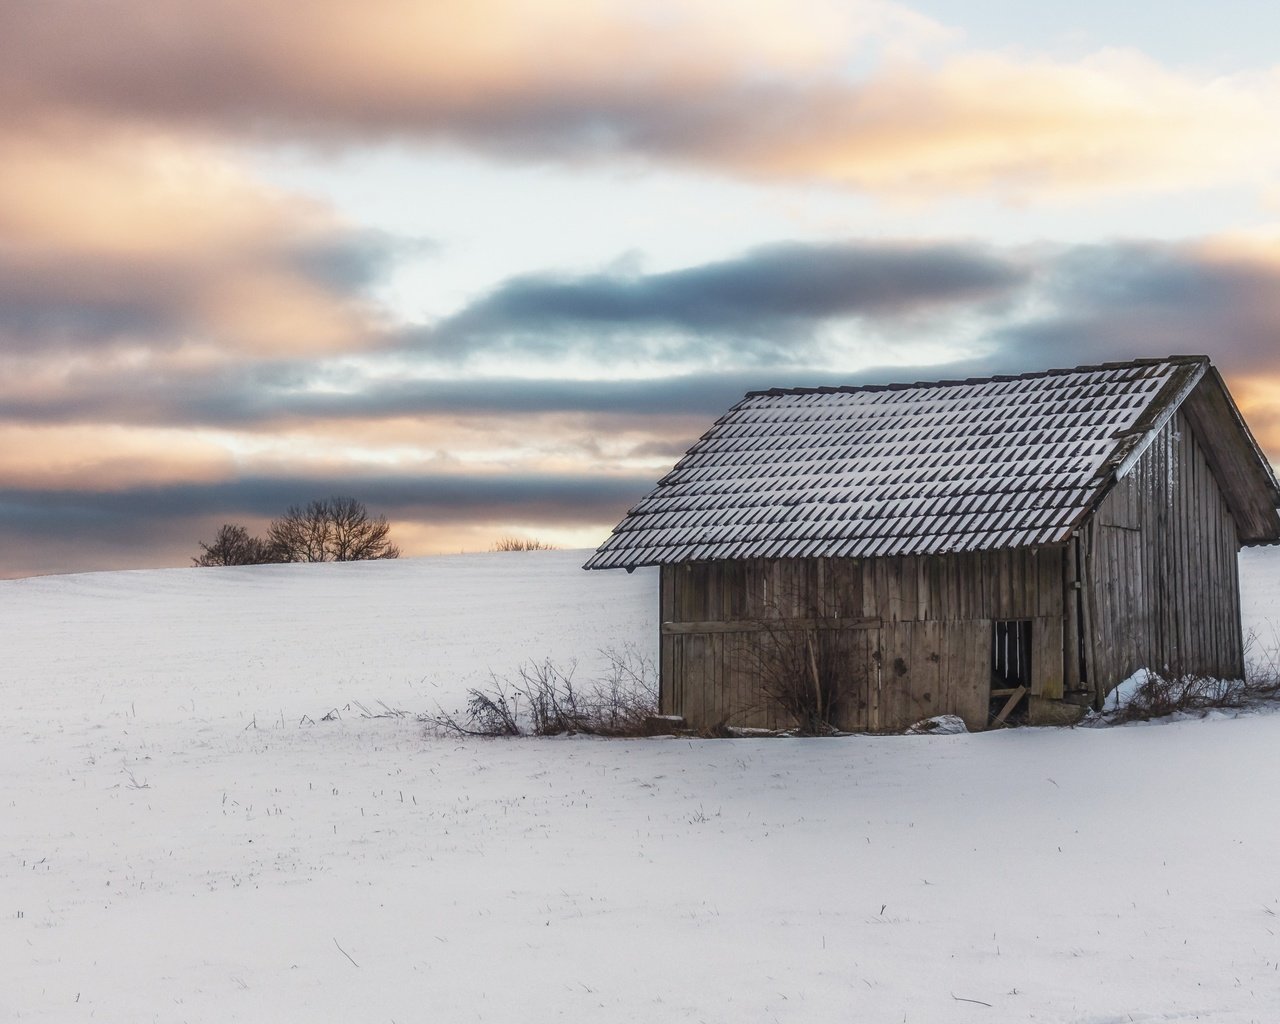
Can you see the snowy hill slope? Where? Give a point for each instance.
(259, 641)
(178, 843)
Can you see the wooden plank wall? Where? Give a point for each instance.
(1160, 559)
(918, 640)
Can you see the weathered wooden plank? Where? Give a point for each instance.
(765, 625)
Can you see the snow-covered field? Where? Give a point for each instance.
(184, 838)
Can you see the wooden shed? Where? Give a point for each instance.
(955, 546)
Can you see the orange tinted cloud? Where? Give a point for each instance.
(810, 89)
(106, 457)
(124, 239)
(1259, 399)
(1025, 127)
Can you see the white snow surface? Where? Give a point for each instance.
(179, 843)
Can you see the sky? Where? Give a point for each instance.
(492, 266)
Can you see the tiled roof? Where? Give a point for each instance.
(998, 462)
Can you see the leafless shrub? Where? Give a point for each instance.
(544, 700)
(1157, 696)
(628, 694)
(800, 669)
(1262, 665)
(521, 544)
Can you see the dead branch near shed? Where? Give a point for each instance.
(544, 700)
(801, 664)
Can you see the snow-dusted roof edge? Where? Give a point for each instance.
(998, 378)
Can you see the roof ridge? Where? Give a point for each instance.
(997, 378)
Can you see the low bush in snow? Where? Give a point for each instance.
(1147, 695)
(544, 700)
(1262, 664)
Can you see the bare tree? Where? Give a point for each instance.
(234, 545)
(336, 529)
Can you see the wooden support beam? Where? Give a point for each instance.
(765, 625)
(1017, 695)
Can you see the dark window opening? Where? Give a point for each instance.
(1011, 653)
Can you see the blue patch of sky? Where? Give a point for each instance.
(1224, 36)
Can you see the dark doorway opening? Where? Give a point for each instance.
(1010, 668)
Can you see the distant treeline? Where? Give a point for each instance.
(337, 529)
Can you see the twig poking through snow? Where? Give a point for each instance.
(962, 999)
(134, 783)
(345, 953)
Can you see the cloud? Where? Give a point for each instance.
(764, 305)
(866, 95)
(126, 241)
(744, 323)
(1146, 299)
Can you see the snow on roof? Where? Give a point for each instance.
(965, 465)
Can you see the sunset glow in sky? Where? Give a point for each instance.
(492, 266)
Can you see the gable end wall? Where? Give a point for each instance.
(1160, 568)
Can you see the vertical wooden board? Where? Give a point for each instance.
(666, 667)
(1051, 657)
(730, 592)
(744, 679)
(875, 685)
(1178, 580)
(675, 645)
(870, 589)
(719, 677)
(969, 685)
(1070, 620)
(965, 577)
(890, 642)
(1054, 578)
(944, 604)
(1021, 596)
(858, 589)
(910, 582)
(850, 588)
(926, 672)
(892, 588)
(1201, 562)
(733, 675)
(743, 710)
(751, 586)
(1005, 602)
(865, 643)
(695, 686)
(879, 574)
(1037, 584)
